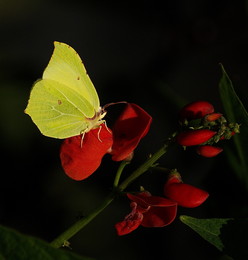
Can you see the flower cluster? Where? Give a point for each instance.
(153, 211)
(81, 157)
(202, 127)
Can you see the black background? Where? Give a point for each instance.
(158, 54)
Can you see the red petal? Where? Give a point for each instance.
(132, 125)
(131, 221)
(159, 211)
(194, 137)
(208, 150)
(159, 216)
(196, 110)
(153, 201)
(185, 195)
(80, 158)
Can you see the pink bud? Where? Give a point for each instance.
(213, 117)
(194, 137)
(208, 150)
(196, 110)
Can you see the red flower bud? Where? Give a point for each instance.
(228, 136)
(194, 137)
(184, 194)
(173, 178)
(213, 117)
(196, 110)
(208, 150)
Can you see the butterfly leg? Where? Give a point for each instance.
(82, 139)
(98, 134)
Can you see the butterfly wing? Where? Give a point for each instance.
(67, 68)
(57, 109)
(63, 100)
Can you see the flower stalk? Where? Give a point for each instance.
(119, 172)
(146, 165)
(80, 224)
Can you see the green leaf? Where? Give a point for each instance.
(235, 113)
(209, 229)
(14, 245)
(227, 234)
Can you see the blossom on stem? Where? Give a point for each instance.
(208, 150)
(202, 127)
(197, 109)
(194, 137)
(82, 155)
(154, 211)
(147, 211)
(184, 194)
(131, 126)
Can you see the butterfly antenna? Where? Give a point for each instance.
(113, 103)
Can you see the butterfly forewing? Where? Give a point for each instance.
(66, 67)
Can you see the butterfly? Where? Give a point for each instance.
(64, 103)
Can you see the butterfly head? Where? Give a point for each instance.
(96, 120)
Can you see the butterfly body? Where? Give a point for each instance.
(64, 103)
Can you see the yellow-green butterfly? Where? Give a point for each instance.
(64, 103)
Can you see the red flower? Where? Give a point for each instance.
(194, 137)
(184, 194)
(153, 211)
(132, 125)
(208, 150)
(200, 131)
(131, 221)
(81, 157)
(147, 211)
(195, 110)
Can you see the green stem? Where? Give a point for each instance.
(119, 172)
(144, 167)
(70, 232)
(75, 228)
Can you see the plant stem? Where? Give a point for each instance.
(119, 172)
(144, 167)
(76, 227)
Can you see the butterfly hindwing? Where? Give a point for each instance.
(53, 111)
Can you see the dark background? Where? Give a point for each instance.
(158, 54)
